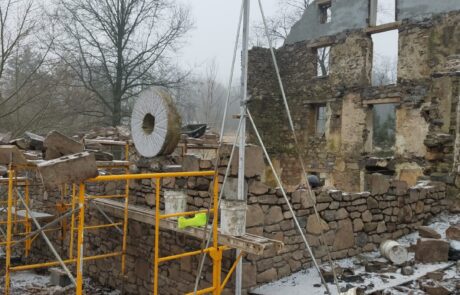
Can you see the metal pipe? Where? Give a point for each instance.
(157, 236)
(150, 175)
(106, 216)
(67, 261)
(72, 221)
(278, 180)
(48, 242)
(230, 272)
(43, 228)
(8, 231)
(242, 144)
(80, 236)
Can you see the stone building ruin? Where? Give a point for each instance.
(375, 187)
(333, 102)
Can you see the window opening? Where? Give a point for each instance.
(385, 58)
(384, 129)
(325, 13)
(322, 61)
(382, 12)
(321, 118)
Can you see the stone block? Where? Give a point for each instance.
(254, 164)
(267, 276)
(60, 145)
(431, 251)
(344, 238)
(11, 153)
(74, 168)
(378, 184)
(453, 232)
(58, 277)
(358, 225)
(372, 203)
(315, 226)
(273, 216)
(230, 190)
(254, 216)
(190, 163)
(428, 232)
(257, 187)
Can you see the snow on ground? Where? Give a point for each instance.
(31, 283)
(308, 282)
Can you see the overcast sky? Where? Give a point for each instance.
(213, 36)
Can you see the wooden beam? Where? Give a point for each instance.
(319, 44)
(323, 2)
(382, 100)
(383, 28)
(248, 243)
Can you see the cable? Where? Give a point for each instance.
(299, 153)
(296, 221)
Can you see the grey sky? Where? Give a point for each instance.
(214, 34)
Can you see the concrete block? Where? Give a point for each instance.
(58, 145)
(68, 169)
(59, 278)
(11, 153)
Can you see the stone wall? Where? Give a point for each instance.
(352, 223)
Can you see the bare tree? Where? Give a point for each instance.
(202, 99)
(279, 25)
(118, 47)
(20, 81)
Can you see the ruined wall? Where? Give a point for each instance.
(352, 223)
(425, 98)
(346, 15)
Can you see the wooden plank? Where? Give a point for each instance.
(106, 142)
(111, 164)
(248, 243)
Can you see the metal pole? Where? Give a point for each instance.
(48, 242)
(80, 235)
(8, 231)
(242, 145)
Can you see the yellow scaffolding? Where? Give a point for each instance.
(79, 203)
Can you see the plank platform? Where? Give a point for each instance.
(248, 243)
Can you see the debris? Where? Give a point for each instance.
(5, 138)
(431, 250)
(394, 252)
(11, 154)
(453, 232)
(407, 270)
(58, 277)
(435, 275)
(58, 145)
(428, 232)
(68, 169)
(34, 141)
(434, 288)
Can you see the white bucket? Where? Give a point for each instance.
(233, 217)
(175, 202)
(394, 252)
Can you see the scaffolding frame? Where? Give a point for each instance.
(80, 201)
(12, 201)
